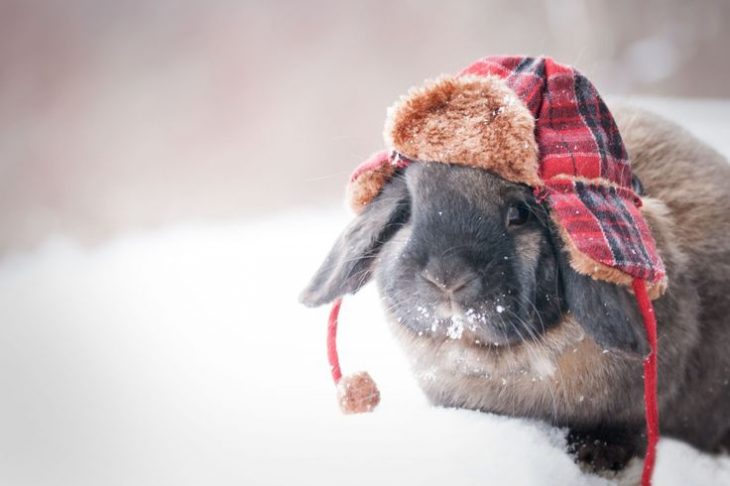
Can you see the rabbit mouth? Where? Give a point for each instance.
(480, 327)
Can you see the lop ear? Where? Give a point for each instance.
(349, 264)
(606, 311)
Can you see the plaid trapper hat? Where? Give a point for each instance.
(537, 122)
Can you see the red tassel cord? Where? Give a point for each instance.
(332, 355)
(356, 393)
(651, 409)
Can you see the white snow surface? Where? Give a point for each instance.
(181, 357)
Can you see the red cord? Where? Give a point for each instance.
(332, 356)
(650, 381)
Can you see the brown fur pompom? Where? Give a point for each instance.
(357, 393)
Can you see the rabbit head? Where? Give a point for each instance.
(461, 253)
(451, 227)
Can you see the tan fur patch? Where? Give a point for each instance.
(469, 120)
(565, 373)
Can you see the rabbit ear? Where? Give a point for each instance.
(349, 263)
(606, 311)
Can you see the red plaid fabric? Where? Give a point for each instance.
(583, 163)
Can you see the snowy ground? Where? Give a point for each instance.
(182, 357)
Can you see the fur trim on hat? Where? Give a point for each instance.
(368, 180)
(470, 120)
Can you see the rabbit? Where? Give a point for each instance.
(477, 289)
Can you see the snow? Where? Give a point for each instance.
(181, 356)
(456, 328)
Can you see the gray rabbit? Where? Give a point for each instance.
(477, 286)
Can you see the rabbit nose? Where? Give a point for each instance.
(450, 280)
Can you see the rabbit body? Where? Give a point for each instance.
(477, 289)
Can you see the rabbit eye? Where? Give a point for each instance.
(517, 214)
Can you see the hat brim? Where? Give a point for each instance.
(605, 233)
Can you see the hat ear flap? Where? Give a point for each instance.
(606, 311)
(348, 266)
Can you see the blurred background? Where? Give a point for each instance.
(124, 115)
(171, 174)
